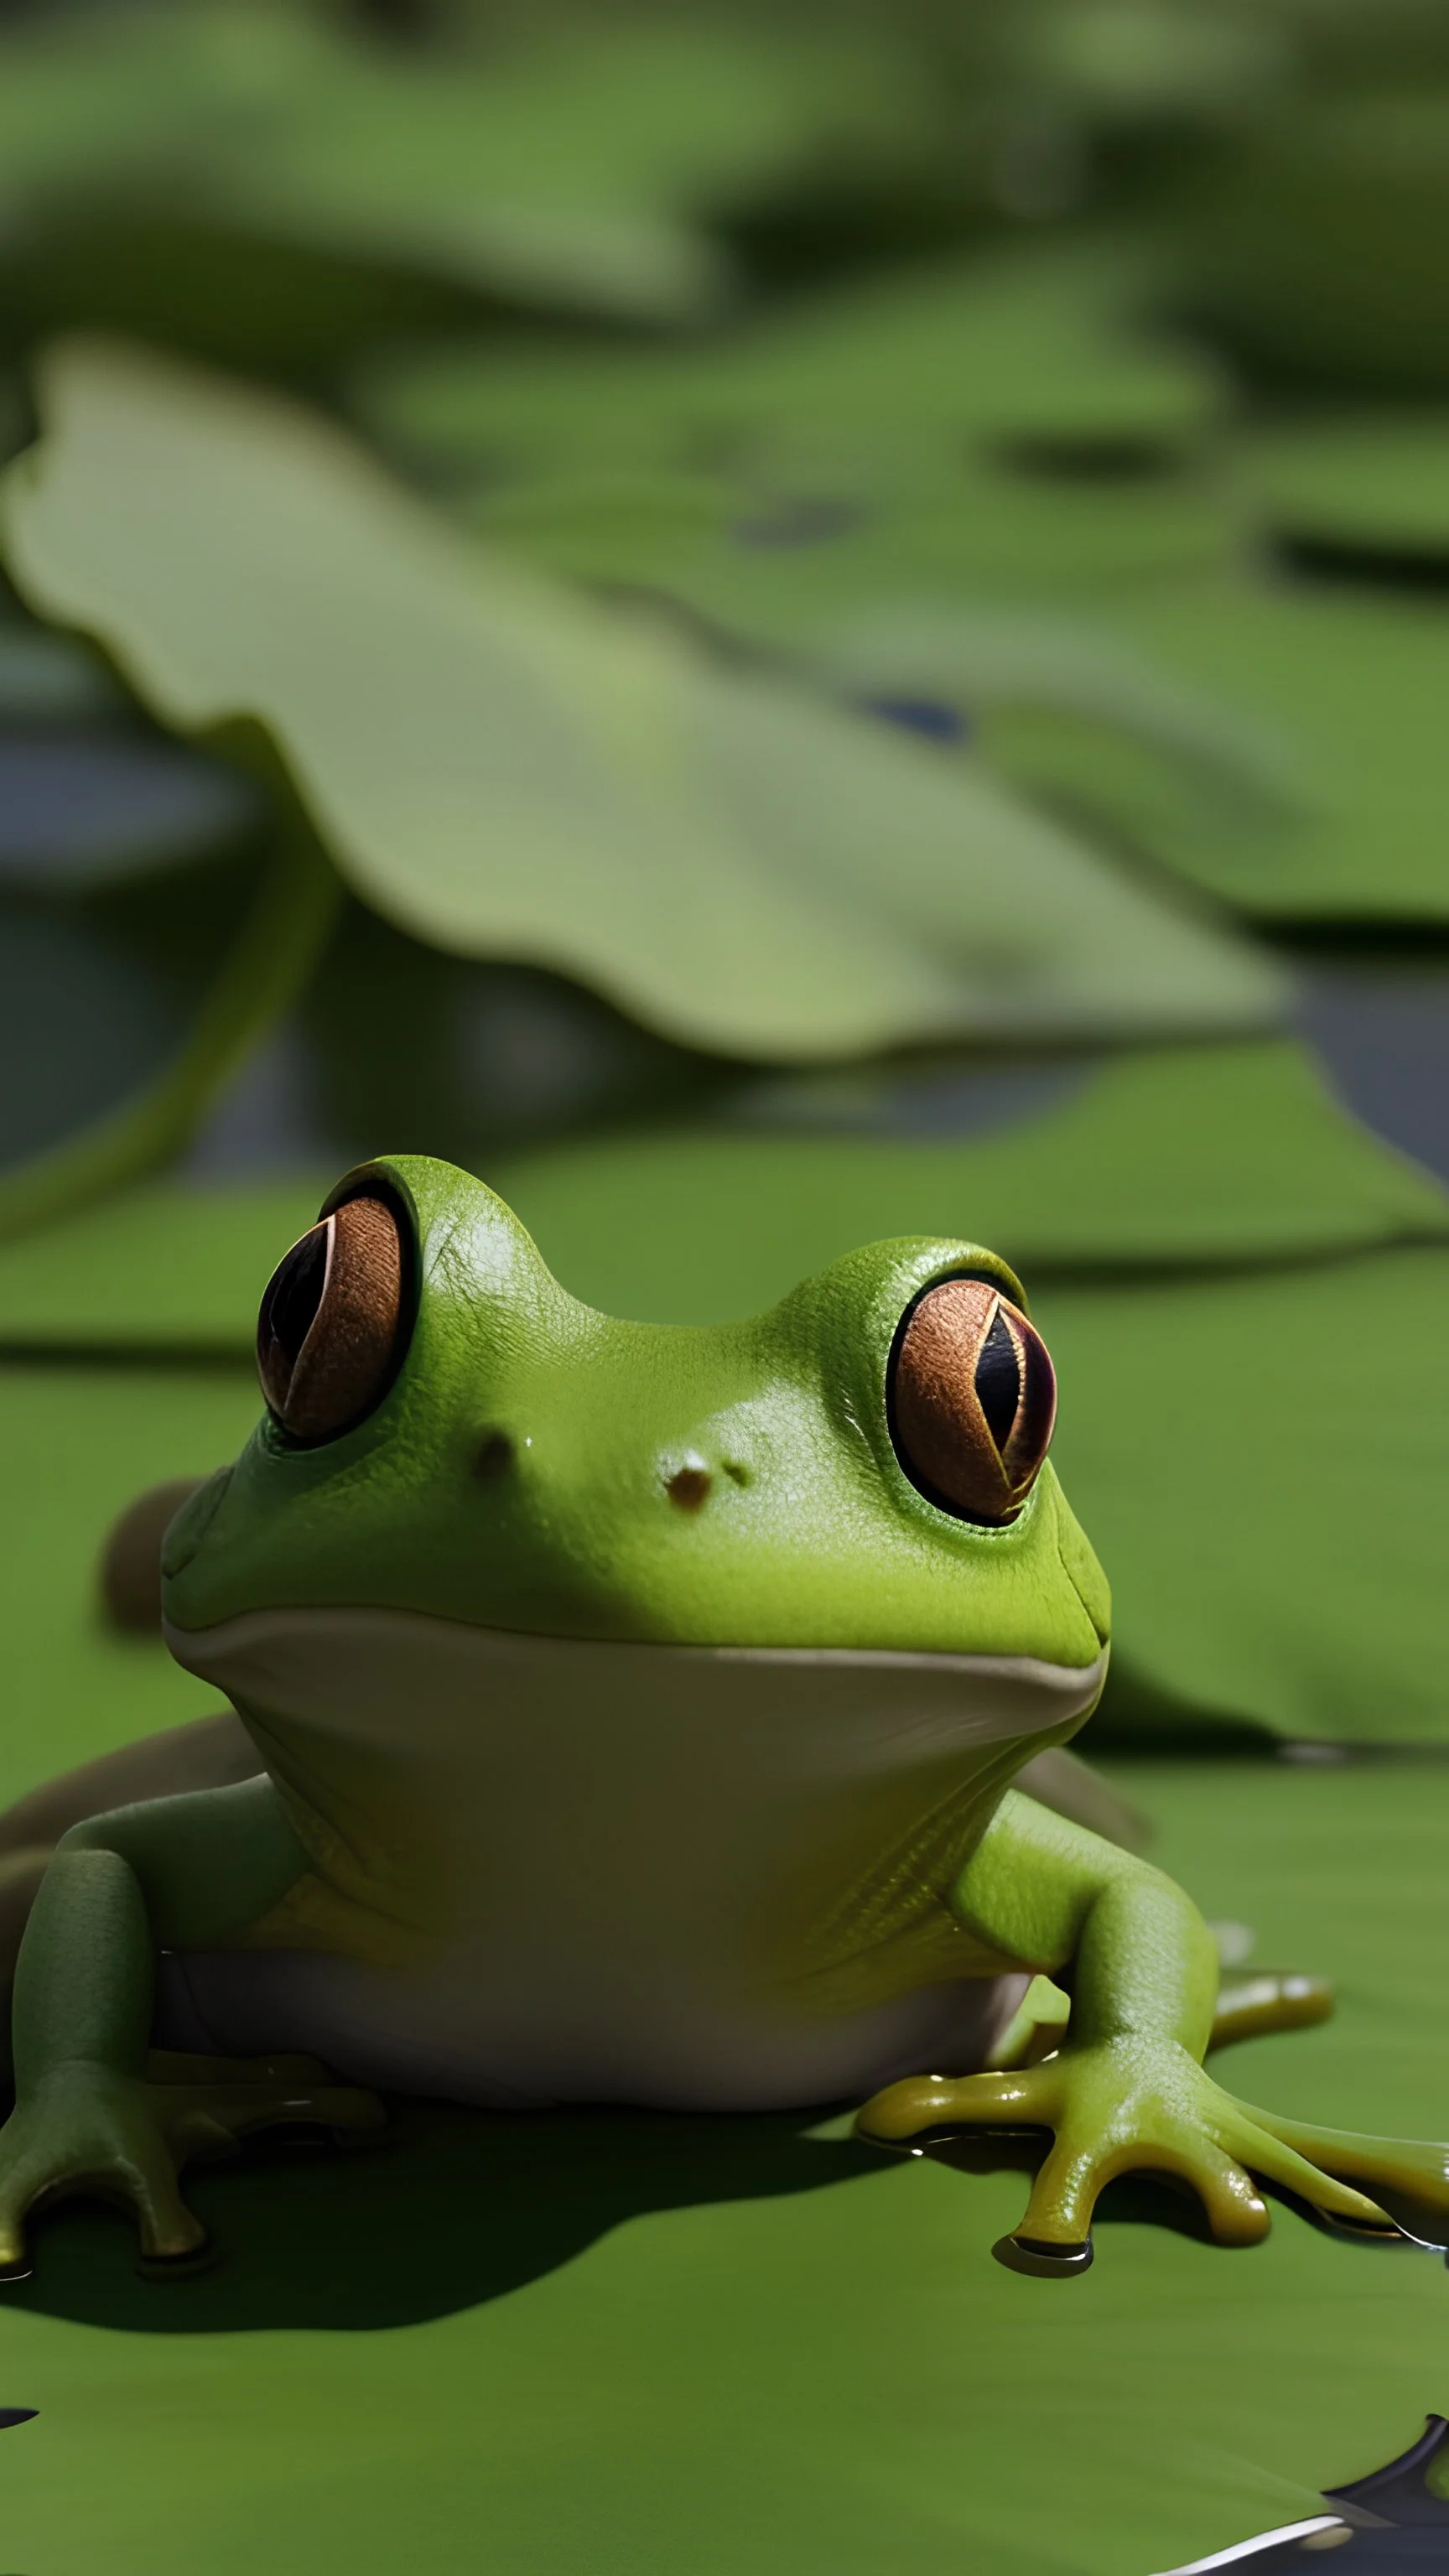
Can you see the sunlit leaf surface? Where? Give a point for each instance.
(506, 770)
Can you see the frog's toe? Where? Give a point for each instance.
(169, 2233)
(922, 2103)
(1043, 2261)
(1265, 2150)
(1406, 2177)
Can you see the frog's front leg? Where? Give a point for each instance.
(179, 1873)
(1127, 2092)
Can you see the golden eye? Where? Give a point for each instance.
(973, 1398)
(329, 1336)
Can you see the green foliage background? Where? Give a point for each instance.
(769, 625)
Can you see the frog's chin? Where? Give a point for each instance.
(406, 1680)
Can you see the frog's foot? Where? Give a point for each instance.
(1116, 2108)
(85, 2130)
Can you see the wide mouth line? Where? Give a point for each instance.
(1003, 1664)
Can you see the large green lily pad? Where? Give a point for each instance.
(766, 2347)
(503, 769)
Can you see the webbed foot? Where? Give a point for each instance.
(87, 2131)
(1125, 2106)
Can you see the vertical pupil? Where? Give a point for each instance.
(998, 1380)
(297, 1294)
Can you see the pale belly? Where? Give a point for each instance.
(511, 2048)
(651, 1874)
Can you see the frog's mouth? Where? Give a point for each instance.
(435, 1687)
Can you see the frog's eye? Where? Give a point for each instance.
(972, 1400)
(330, 1329)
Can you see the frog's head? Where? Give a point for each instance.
(448, 1432)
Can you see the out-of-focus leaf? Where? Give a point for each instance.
(505, 770)
(781, 566)
(1272, 1534)
(992, 425)
(1356, 483)
(1316, 254)
(1037, 347)
(1145, 62)
(989, 665)
(1210, 1157)
(566, 168)
(1353, 687)
(86, 809)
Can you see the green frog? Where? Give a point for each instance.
(632, 1716)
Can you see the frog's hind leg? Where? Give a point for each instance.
(211, 2101)
(209, 1753)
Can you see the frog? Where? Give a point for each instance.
(637, 1714)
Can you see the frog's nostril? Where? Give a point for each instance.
(972, 1400)
(493, 1456)
(688, 1488)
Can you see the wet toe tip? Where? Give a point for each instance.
(1043, 2260)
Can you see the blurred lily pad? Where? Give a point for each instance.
(785, 563)
(1147, 63)
(1350, 687)
(86, 809)
(1356, 486)
(506, 770)
(1037, 347)
(995, 424)
(568, 168)
(1207, 1157)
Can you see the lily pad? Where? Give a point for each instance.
(571, 174)
(1351, 691)
(505, 770)
(1270, 1530)
(1357, 485)
(1036, 349)
(794, 561)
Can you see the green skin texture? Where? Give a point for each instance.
(825, 1542)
